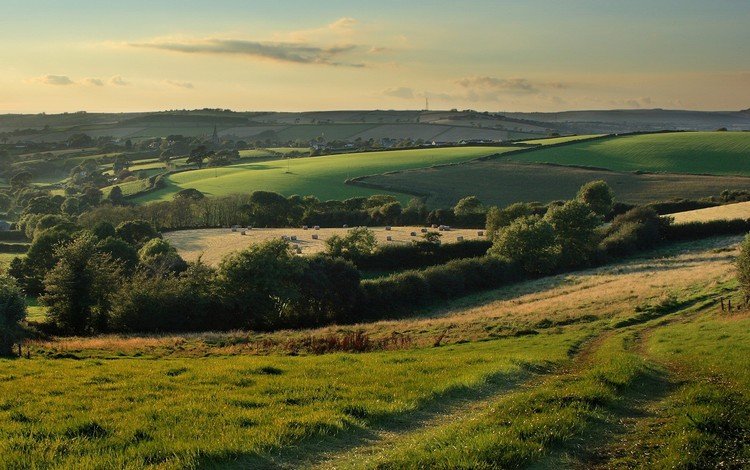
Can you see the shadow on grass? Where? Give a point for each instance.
(319, 449)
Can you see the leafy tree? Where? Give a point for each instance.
(432, 237)
(389, 213)
(103, 229)
(160, 257)
(115, 195)
(636, 229)
(20, 180)
(415, 212)
(467, 206)
(357, 242)
(136, 232)
(574, 224)
(743, 266)
(269, 208)
(80, 289)
(42, 205)
(12, 312)
(328, 293)
(598, 195)
(120, 251)
(198, 155)
(39, 260)
(530, 242)
(5, 202)
(498, 218)
(257, 284)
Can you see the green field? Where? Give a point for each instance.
(320, 176)
(716, 153)
(499, 182)
(600, 367)
(561, 140)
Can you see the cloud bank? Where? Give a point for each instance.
(298, 53)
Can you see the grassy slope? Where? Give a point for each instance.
(560, 140)
(321, 176)
(501, 183)
(189, 412)
(740, 210)
(177, 407)
(720, 153)
(504, 181)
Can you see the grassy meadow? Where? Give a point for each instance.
(500, 182)
(716, 153)
(323, 176)
(570, 370)
(213, 244)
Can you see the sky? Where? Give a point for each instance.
(284, 55)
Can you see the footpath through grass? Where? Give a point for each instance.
(191, 412)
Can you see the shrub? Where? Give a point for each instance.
(256, 284)
(79, 289)
(598, 195)
(574, 225)
(530, 242)
(160, 257)
(743, 266)
(12, 312)
(637, 229)
(357, 242)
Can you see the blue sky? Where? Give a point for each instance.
(294, 55)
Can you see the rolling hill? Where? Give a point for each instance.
(323, 176)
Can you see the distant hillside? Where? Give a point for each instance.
(629, 120)
(351, 125)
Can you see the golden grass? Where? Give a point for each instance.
(213, 244)
(739, 210)
(595, 295)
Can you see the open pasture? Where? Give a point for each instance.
(499, 182)
(323, 177)
(518, 375)
(715, 153)
(215, 243)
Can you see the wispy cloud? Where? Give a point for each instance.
(186, 85)
(53, 80)
(117, 80)
(299, 53)
(93, 81)
(400, 92)
(492, 86)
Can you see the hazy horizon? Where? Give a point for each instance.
(536, 56)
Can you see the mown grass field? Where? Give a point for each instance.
(500, 182)
(561, 140)
(716, 153)
(584, 370)
(740, 210)
(212, 244)
(323, 177)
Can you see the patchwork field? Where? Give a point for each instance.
(716, 153)
(740, 210)
(561, 140)
(213, 244)
(323, 177)
(580, 370)
(499, 182)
